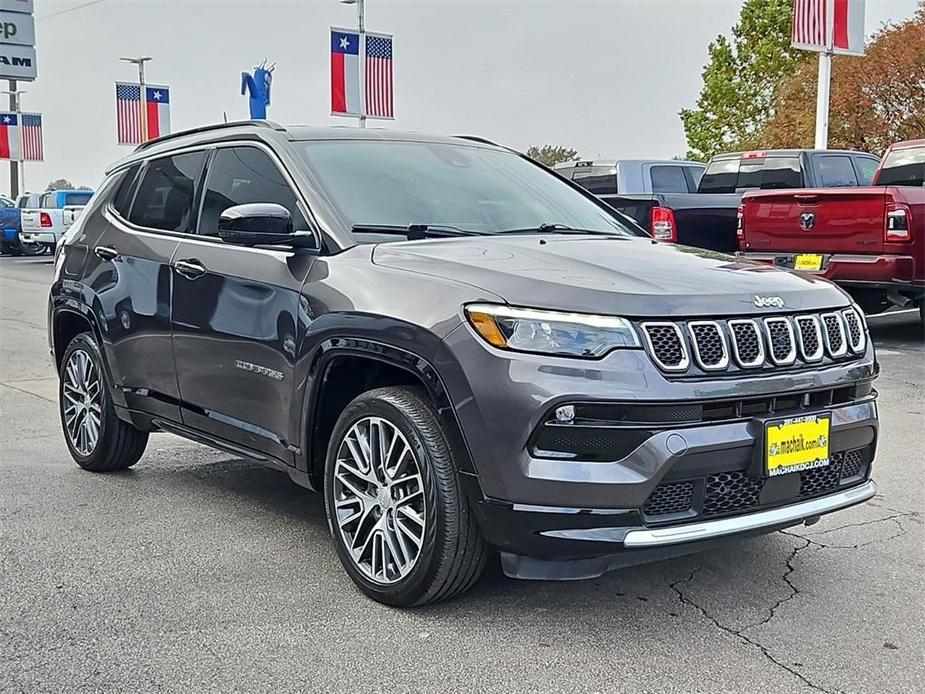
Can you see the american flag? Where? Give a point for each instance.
(128, 113)
(379, 101)
(809, 23)
(32, 149)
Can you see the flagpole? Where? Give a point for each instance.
(142, 101)
(362, 30)
(824, 88)
(14, 165)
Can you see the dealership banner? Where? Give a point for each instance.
(829, 26)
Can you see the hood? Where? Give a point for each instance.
(612, 275)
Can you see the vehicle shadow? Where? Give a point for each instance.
(655, 589)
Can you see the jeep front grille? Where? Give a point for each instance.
(680, 347)
(666, 344)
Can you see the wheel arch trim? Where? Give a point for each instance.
(335, 348)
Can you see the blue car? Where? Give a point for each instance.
(11, 225)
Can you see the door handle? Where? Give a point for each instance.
(106, 253)
(190, 269)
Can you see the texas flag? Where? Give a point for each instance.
(157, 102)
(10, 141)
(345, 73)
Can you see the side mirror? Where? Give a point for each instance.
(257, 224)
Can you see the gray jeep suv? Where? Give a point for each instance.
(464, 351)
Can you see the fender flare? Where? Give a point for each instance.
(419, 367)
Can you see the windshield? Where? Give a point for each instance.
(903, 167)
(463, 186)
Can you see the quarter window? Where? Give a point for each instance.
(242, 175)
(165, 193)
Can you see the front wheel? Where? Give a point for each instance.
(401, 524)
(96, 438)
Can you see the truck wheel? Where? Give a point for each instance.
(31, 249)
(96, 438)
(401, 523)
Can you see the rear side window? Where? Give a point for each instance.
(866, 167)
(123, 199)
(836, 171)
(241, 175)
(77, 198)
(903, 167)
(165, 193)
(668, 179)
(49, 201)
(600, 180)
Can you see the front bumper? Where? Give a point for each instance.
(552, 516)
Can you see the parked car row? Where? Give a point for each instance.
(36, 221)
(844, 215)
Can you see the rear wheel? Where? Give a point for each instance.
(96, 438)
(31, 249)
(401, 523)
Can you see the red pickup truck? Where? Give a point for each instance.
(870, 241)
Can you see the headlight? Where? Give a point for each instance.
(551, 332)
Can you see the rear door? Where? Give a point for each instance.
(822, 221)
(237, 315)
(129, 271)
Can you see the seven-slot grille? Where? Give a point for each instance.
(754, 343)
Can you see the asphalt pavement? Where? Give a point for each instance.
(197, 571)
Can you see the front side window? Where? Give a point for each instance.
(903, 167)
(165, 194)
(668, 179)
(836, 171)
(123, 198)
(241, 175)
(465, 186)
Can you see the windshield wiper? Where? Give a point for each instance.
(546, 228)
(415, 232)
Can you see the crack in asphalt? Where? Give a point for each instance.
(738, 633)
(808, 541)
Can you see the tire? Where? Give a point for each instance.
(31, 249)
(451, 553)
(116, 445)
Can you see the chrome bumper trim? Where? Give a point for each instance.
(753, 521)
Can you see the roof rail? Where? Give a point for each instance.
(208, 128)
(476, 138)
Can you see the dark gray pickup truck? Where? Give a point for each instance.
(708, 218)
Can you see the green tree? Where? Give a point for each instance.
(740, 80)
(60, 184)
(550, 155)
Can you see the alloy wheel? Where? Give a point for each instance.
(83, 402)
(379, 500)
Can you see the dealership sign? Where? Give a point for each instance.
(17, 40)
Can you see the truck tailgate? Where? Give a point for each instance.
(826, 221)
(31, 220)
(70, 214)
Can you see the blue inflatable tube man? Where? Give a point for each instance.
(258, 85)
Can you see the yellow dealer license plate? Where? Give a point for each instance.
(808, 261)
(796, 444)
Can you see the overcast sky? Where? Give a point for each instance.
(606, 77)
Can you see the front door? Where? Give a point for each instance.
(235, 313)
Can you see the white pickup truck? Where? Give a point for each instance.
(58, 210)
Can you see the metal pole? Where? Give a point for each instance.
(823, 90)
(822, 100)
(14, 165)
(144, 101)
(362, 30)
